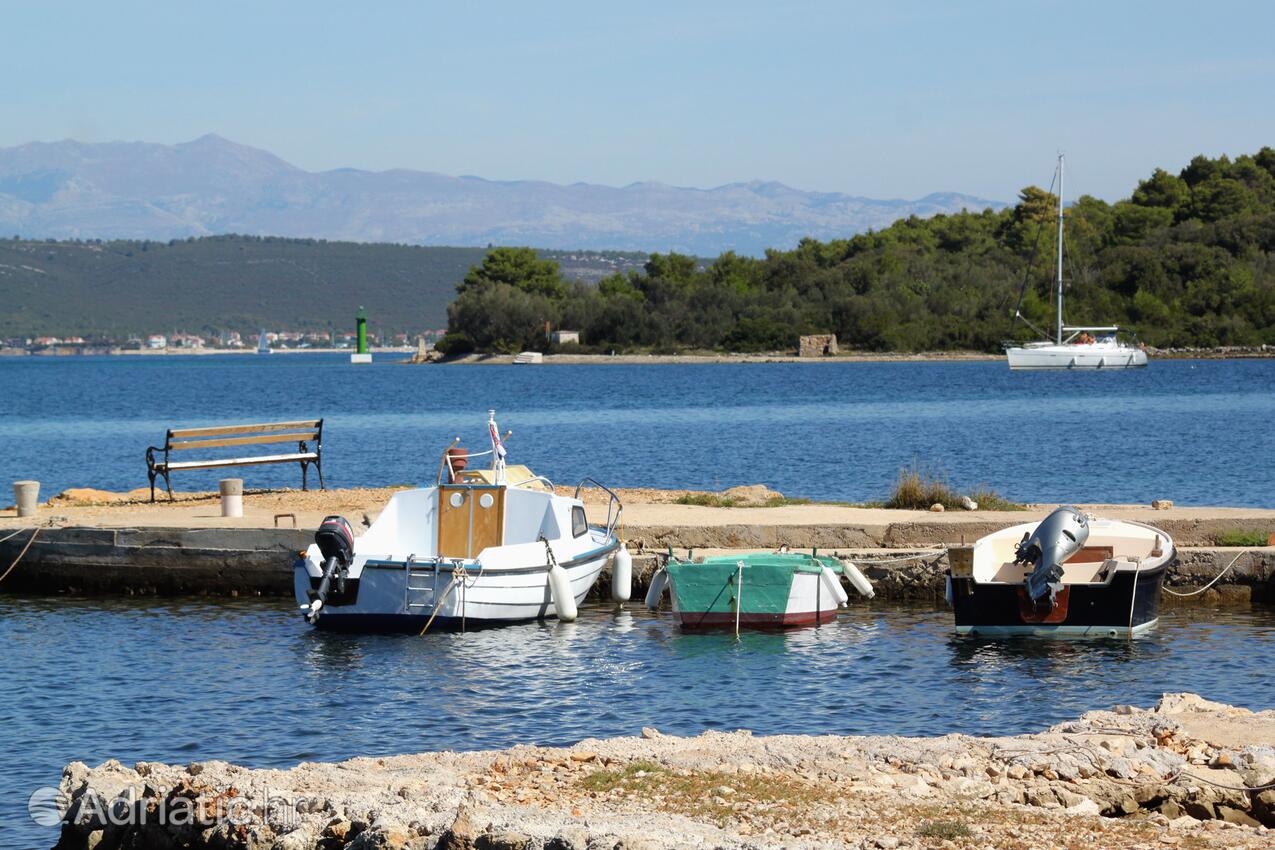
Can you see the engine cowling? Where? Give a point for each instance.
(335, 539)
(1059, 536)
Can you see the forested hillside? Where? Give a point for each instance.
(1187, 260)
(244, 283)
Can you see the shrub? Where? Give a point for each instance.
(454, 344)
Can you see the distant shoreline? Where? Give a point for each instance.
(854, 357)
(404, 355)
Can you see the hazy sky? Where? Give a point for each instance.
(886, 99)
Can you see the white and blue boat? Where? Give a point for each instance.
(480, 547)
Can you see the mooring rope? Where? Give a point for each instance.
(35, 532)
(935, 557)
(14, 534)
(1216, 579)
(458, 575)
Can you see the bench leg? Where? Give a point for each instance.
(151, 473)
(305, 468)
(318, 464)
(168, 485)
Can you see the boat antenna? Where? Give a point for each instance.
(1060, 248)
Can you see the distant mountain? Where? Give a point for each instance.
(137, 190)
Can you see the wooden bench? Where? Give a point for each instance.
(302, 433)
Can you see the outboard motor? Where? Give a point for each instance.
(1059, 536)
(335, 539)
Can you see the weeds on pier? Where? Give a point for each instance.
(1237, 537)
(919, 486)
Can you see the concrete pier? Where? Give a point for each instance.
(98, 542)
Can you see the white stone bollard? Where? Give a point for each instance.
(27, 496)
(232, 497)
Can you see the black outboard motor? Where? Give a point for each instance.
(1059, 536)
(335, 539)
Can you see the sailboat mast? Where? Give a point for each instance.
(1060, 247)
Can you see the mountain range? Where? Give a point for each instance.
(140, 190)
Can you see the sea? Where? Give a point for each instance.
(180, 680)
(1198, 432)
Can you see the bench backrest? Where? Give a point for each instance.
(244, 435)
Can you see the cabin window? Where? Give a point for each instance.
(579, 525)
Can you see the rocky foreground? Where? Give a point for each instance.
(1187, 773)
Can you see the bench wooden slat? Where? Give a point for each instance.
(236, 461)
(177, 445)
(225, 430)
(303, 434)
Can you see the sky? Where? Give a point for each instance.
(883, 99)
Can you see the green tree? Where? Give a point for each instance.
(520, 268)
(1162, 189)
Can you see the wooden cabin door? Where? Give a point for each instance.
(470, 518)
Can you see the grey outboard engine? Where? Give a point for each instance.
(1059, 536)
(335, 539)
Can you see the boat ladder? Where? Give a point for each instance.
(420, 586)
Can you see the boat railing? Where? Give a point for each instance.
(615, 508)
(533, 479)
(445, 462)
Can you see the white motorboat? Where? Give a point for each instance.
(480, 547)
(1073, 346)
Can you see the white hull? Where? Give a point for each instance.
(385, 601)
(1076, 356)
(398, 581)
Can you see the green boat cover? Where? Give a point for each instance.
(710, 586)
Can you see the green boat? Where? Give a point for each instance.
(765, 590)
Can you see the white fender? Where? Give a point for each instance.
(564, 603)
(656, 591)
(857, 579)
(622, 575)
(833, 585)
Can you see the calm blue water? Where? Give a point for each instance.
(187, 680)
(1198, 432)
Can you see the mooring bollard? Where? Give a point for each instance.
(232, 497)
(27, 496)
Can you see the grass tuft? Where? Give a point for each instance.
(918, 487)
(714, 795)
(946, 830)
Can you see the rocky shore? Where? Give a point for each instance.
(1185, 773)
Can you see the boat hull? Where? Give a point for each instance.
(1076, 357)
(397, 597)
(704, 598)
(1110, 610)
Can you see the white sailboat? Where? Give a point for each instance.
(1073, 346)
(263, 344)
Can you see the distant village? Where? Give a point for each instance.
(229, 341)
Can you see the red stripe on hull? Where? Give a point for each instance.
(693, 620)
